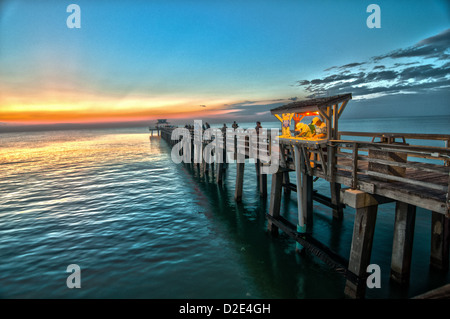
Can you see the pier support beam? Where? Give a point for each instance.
(257, 167)
(219, 173)
(275, 201)
(440, 240)
(263, 185)
(286, 181)
(405, 217)
(239, 181)
(338, 211)
(304, 194)
(299, 167)
(363, 230)
(307, 201)
(262, 179)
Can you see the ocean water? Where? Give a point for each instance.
(140, 226)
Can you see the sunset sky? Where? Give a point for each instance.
(142, 60)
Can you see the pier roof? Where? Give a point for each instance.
(309, 105)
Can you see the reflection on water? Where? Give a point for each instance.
(140, 226)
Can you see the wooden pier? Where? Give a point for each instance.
(387, 167)
(160, 124)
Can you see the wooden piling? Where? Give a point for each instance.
(263, 185)
(275, 201)
(257, 168)
(219, 173)
(338, 212)
(262, 179)
(239, 181)
(286, 181)
(304, 194)
(440, 239)
(307, 201)
(361, 248)
(405, 216)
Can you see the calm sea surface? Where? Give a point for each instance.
(140, 226)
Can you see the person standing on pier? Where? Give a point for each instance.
(224, 128)
(258, 127)
(235, 125)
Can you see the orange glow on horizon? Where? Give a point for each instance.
(124, 110)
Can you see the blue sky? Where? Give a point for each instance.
(134, 60)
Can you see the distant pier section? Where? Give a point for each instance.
(364, 170)
(160, 124)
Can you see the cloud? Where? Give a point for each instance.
(419, 68)
(250, 110)
(432, 47)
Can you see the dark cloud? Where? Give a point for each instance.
(351, 65)
(371, 79)
(346, 66)
(442, 38)
(331, 68)
(432, 47)
(396, 65)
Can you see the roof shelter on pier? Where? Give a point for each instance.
(329, 109)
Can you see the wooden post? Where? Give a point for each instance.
(335, 188)
(338, 212)
(262, 185)
(307, 201)
(219, 173)
(405, 216)
(301, 198)
(275, 201)
(440, 239)
(192, 151)
(355, 166)
(239, 181)
(363, 230)
(286, 181)
(257, 168)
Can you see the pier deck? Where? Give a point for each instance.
(365, 171)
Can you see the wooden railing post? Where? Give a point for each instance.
(355, 166)
(440, 241)
(405, 216)
(335, 188)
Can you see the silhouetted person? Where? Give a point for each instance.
(258, 127)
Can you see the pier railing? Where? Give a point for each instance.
(380, 164)
(373, 168)
(382, 160)
(395, 165)
(388, 161)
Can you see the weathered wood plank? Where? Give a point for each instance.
(405, 180)
(275, 201)
(442, 137)
(361, 248)
(355, 166)
(240, 167)
(438, 293)
(405, 216)
(440, 241)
